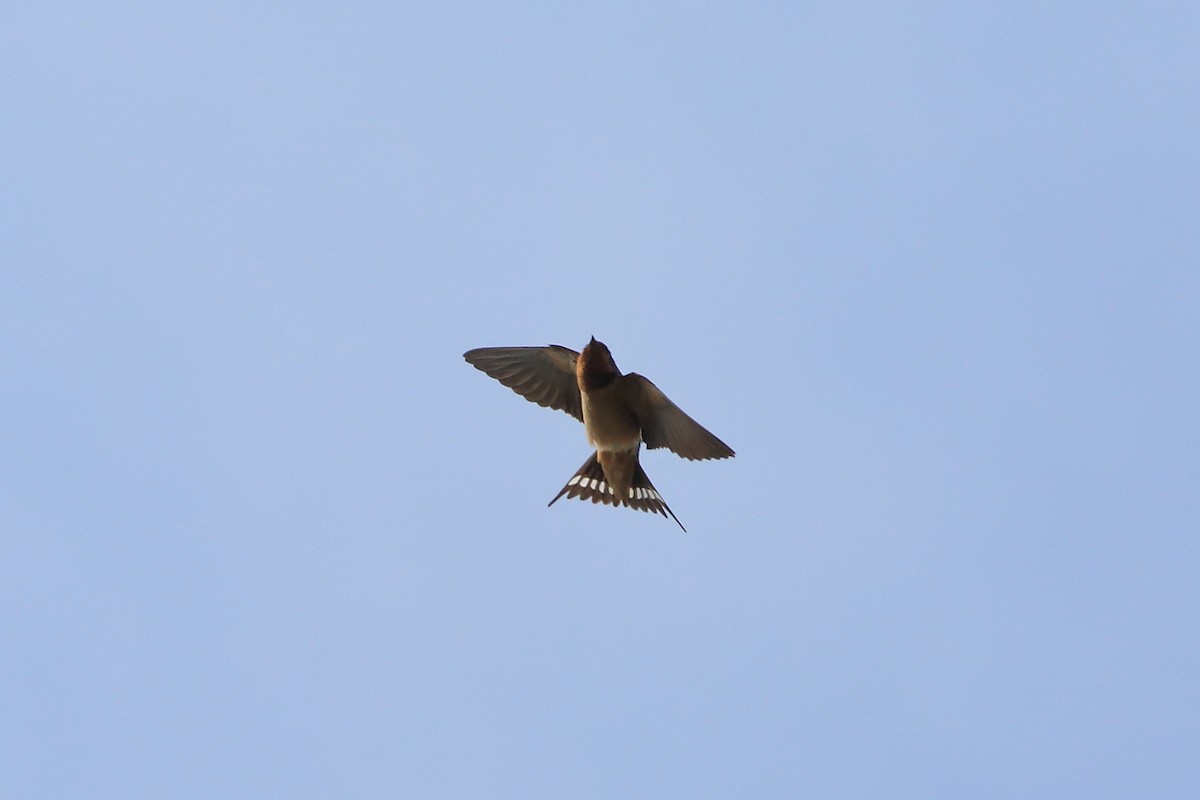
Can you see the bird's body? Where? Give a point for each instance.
(610, 423)
(619, 413)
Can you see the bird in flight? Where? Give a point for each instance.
(619, 413)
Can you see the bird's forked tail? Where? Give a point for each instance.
(589, 483)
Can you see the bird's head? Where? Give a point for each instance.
(596, 367)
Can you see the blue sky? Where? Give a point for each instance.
(931, 269)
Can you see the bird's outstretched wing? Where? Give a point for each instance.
(665, 425)
(542, 375)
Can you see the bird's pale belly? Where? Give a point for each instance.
(610, 427)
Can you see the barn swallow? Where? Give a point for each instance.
(619, 413)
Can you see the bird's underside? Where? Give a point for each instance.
(620, 412)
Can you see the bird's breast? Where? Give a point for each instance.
(610, 424)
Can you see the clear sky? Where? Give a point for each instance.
(931, 269)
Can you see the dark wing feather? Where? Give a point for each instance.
(665, 425)
(542, 375)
